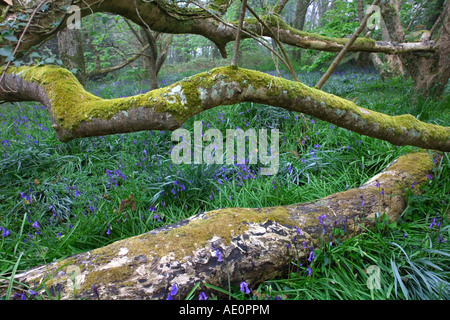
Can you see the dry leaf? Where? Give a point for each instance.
(8, 2)
(127, 202)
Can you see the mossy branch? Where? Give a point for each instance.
(76, 113)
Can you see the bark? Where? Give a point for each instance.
(363, 58)
(391, 65)
(76, 113)
(234, 58)
(389, 68)
(71, 52)
(322, 7)
(299, 22)
(226, 245)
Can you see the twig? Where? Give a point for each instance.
(344, 50)
(234, 59)
(57, 28)
(279, 6)
(438, 21)
(5, 13)
(287, 62)
(20, 40)
(251, 35)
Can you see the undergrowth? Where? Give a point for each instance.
(60, 199)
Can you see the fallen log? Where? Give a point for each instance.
(226, 245)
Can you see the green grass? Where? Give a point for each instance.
(74, 191)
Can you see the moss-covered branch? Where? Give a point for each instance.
(234, 244)
(76, 113)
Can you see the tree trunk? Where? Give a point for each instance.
(226, 246)
(155, 56)
(363, 58)
(71, 52)
(391, 65)
(299, 22)
(429, 72)
(322, 9)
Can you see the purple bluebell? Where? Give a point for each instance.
(244, 287)
(174, 289)
(311, 256)
(5, 233)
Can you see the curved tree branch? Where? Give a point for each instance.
(165, 17)
(76, 113)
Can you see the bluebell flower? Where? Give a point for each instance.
(321, 218)
(244, 287)
(5, 233)
(432, 222)
(219, 255)
(32, 293)
(174, 290)
(202, 296)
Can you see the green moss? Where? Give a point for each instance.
(275, 21)
(183, 241)
(68, 97)
(415, 163)
(111, 275)
(71, 104)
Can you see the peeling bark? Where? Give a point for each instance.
(253, 244)
(76, 113)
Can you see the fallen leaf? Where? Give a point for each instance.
(127, 202)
